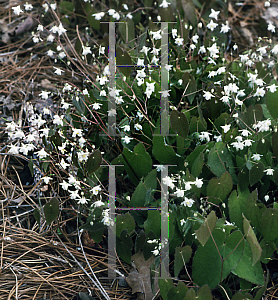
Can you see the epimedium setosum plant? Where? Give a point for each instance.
(221, 149)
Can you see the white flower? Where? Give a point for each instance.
(129, 15)
(140, 62)
(44, 94)
(245, 132)
(182, 222)
(179, 193)
(145, 50)
(208, 95)
(98, 203)
(86, 50)
(195, 38)
(50, 38)
(179, 41)
(17, 10)
(256, 157)
(42, 153)
(50, 53)
(98, 16)
(126, 127)
(266, 198)
(58, 71)
(112, 112)
(174, 33)
(168, 67)
(40, 27)
(160, 168)
(271, 27)
(214, 14)
(168, 181)
(46, 179)
(226, 128)
(202, 50)
(262, 50)
(76, 132)
(260, 92)
(53, 6)
(14, 149)
(28, 6)
(125, 6)
(224, 28)
(198, 182)
(272, 88)
(138, 126)
(74, 194)
(211, 25)
(58, 120)
(164, 4)
(63, 164)
(156, 34)
(204, 136)
(275, 49)
(127, 139)
(96, 106)
(248, 143)
(187, 202)
(269, 171)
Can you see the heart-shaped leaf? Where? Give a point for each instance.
(179, 123)
(93, 162)
(51, 210)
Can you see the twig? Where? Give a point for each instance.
(96, 283)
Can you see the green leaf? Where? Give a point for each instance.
(204, 232)
(256, 173)
(189, 84)
(246, 270)
(51, 210)
(269, 224)
(164, 153)
(93, 162)
(95, 231)
(271, 103)
(220, 159)
(218, 189)
(123, 59)
(275, 144)
(123, 249)
(153, 223)
(144, 188)
(179, 123)
(164, 286)
(189, 11)
(252, 240)
(31, 166)
(137, 163)
(254, 210)
(204, 293)
(177, 292)
(214, 261)
(37, 216)
(140, 241)
(198, 165)
(124, 222)
(237, 204)
(182, 256)
(66, 7)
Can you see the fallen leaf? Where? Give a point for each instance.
(139, 278)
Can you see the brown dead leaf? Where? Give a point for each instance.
(139, 278)
(47, 85)
(27, 25)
